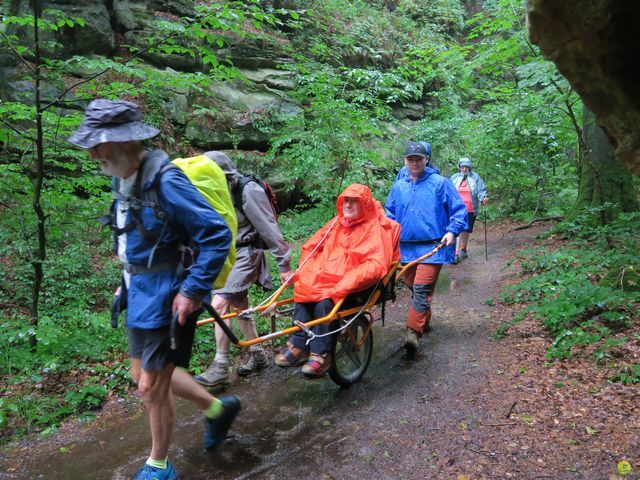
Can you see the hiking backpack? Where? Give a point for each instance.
(268, 191)
(203, 173)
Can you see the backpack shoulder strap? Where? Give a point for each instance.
(151, 169)
(238, 191)
(154, 164)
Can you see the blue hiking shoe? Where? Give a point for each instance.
(147, 472)
(216, 428)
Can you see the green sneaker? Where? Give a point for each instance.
(216, 428)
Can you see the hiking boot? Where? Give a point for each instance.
(456, 260)
(216, 374)
(147, 472)
(257, 361)
(463, 253)
(216, 428)
(411, 342)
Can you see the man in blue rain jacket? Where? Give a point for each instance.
(429, 211)
(156, 213)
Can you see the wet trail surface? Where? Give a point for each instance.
(395, 423)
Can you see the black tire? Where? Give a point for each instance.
(351, 352)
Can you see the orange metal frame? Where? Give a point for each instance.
(335, 312)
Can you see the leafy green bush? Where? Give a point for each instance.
(87, 396)
(586, 293)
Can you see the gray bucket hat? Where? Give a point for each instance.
(111, 121)
(464, 162)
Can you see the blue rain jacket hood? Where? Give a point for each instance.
(426, 210)
(190, 219)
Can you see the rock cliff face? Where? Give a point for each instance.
(596, 46)
(109, 25)
(234, 110)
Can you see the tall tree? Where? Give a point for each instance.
(603, 182)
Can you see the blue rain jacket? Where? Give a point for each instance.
(426, 210)
(192, 220)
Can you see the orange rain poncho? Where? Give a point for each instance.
(353, 256)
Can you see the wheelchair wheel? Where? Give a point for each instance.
(351, 352)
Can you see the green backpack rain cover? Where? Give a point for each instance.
(211, 182)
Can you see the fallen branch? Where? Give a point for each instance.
(539, 219)
(513, 405)
(481, 452)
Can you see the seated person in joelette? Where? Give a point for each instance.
(352, 252)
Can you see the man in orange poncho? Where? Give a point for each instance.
(352, 252)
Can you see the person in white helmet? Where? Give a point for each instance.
(473, 192)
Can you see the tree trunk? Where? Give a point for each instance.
(604, 183)
(40, 254)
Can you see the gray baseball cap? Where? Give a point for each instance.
(111, 121)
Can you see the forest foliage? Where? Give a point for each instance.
(487, 94)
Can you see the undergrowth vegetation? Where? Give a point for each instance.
(583, 285)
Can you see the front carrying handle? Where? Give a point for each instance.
(173, 331)
(115, 310)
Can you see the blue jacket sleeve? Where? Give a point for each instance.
(390, 206)
(457, 210)
(207, 231)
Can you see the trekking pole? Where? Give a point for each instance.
(486, 248)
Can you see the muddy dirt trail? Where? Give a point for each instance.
(431, 417)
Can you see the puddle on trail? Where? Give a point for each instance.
(281, 411)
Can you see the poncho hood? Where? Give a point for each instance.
(345, 258)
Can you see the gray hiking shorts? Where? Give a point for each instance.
(250, 267)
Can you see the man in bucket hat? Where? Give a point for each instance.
(154, 280)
